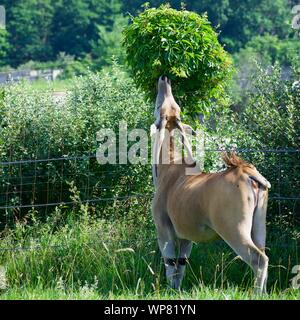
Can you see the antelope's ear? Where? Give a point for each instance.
(153, 130)
(188, 129)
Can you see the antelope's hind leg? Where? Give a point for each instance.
(243, 245)
(258, 233)
(239, 236)
(258, 261)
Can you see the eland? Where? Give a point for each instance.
(202, 207)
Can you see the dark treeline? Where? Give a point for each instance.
(40, 30)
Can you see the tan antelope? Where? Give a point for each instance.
(202, 207)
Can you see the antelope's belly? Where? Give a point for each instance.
(200, 233)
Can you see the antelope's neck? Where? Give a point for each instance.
(167, 152)
(169, 155)
(164, 92)
(168, 92)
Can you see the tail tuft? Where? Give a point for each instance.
(232, 160)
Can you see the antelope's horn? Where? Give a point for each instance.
(160, 135)
(185, 140)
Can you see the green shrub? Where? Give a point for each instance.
(272, 119)
(183, 46)
(269, 120)
(80, 67)
(34, 126)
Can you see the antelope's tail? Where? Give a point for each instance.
(233, 161)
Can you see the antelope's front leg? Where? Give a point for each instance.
(166, 243)
(185, 248)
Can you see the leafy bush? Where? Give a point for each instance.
(34, 126)
(61, 62)
(181, 45)
(261, 52)
(269, 120)
(272, 114)
(272, 119)
(79, 67)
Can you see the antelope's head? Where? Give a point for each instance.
(167, 113)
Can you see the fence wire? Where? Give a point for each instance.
(42, 183)
(153, 240)
(67, 181)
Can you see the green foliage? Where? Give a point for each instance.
(238, 21)
(75, 24)
(39, 30)
(29, 30)
(269, 49)
(76, 67)
(251, 18)
(272, 114)
(4, 47)
(33, 126)
(272, 119)
(62, 61)
(183, 46)
(264, 51)
(109, 43)
(2, 95)
(71, 66)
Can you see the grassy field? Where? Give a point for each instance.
(75, 256)
(196, 293)
(56, 85)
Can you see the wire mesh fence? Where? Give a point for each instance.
(37, 183)
(43, 184)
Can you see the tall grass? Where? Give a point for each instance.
(77, 255)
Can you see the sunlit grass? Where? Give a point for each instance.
(75, 256)
(87, 293)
